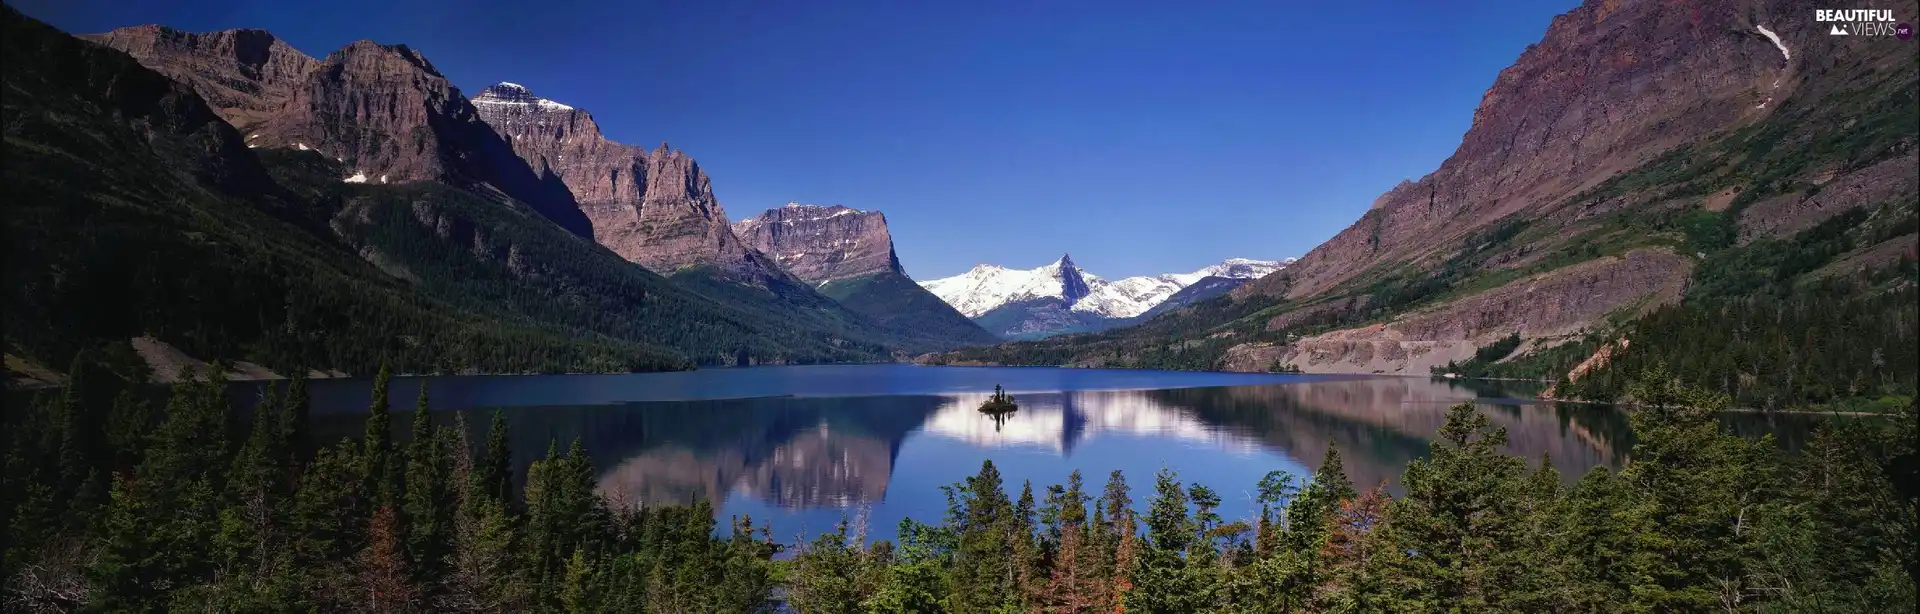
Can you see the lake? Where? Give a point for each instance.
(804, 446)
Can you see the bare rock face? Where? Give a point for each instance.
(1546, 306)
(655, 208)
(1783, 215)
(382, 110)
(821, 244)
(1612, 83)
(245, 75)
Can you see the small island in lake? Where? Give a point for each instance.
(999, 407)
(1000, 403)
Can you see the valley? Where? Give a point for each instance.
(1579, 216)
(1642, 340)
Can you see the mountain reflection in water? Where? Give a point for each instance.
(811, 459)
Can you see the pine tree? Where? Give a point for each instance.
(1535, 573)
(487, 572)
(544, 519)
(579, 592)
(1162, 581)
(1112, 526)
(1693, 487)
(161, 524)
(915, 582)
(1355, 555)
(74, 444)
(377, 447)
(1596, 544)
(495, 468)
(257, 469)
(1029, 557)
(130, 424)
(1273, 492)
(426, 508)
(296, 420)
(825, 575)
(983, 568)
(1071, 589)
(1458, 514)
(381, 577)
(746, 581)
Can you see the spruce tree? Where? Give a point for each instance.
(1458, 514)
(983, 568)
(579, 591)
(1161, 579)
(1596, 543)
(377, 446)
(427, 509)
(296, 420)
(1029, 557)
(1272, 493)
(1693, 487)
(1357, 556)
(495, 467)
(162, 530)
(329, 502)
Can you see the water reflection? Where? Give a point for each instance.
(806, 459)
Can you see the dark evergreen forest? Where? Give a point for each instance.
(116, 505)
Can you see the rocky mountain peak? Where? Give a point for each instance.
(1061, 297)
(1073, 284)
(819, 244)
(366, 55)
(655, 208)
(1610, 85)
(504, 93)
(245, 75)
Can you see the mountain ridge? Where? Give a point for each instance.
(1060, 297)
(654, 207)
(848, 255)
(382, 161)
(1624, 172)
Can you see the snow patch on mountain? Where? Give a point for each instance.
(504, 93)
(987, 287)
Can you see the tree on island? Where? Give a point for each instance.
(999, 407)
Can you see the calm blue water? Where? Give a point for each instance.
(802, 447)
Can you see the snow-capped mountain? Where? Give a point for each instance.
(1060, 297)
(988, 286)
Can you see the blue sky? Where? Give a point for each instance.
(1142, 137)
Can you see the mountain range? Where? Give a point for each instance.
(327, 214)
(1063, 298)
(1701, 189)
(1635, 177)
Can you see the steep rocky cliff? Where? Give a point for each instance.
(848, 255)
(383, 111)
(655, 208)
(822, 244)
(1630, 128)
(245, 75)
(139, 219)
(1611, 84)
(1637, 143)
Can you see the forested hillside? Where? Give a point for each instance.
(894, 301)
(133, 210)
(492, 256)
(1782, 237)
(138, 212)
